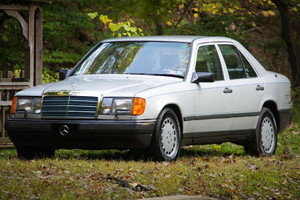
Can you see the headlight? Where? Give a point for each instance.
(122, 106)
(30, 104)
(106, 106)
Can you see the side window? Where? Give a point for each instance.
(233, 61)
(237, 64)
(208, 61)
(249, 70)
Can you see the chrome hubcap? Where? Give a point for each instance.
(267, 135)
(169, 137)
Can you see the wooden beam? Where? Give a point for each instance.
(5, 103)
(13, 85)
(9, 7)
(20, 19)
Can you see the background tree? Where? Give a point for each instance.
(286, 33)
(69, 32)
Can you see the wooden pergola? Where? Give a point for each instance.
(32, 30)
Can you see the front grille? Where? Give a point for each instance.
(69, 107)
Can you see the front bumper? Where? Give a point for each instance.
(81, 134)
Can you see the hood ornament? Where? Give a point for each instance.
(72, 86)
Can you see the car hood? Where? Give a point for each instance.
(97, 85)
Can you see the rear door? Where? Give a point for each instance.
(247, 89)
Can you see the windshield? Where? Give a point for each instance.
(154, 58)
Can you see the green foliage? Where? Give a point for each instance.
(63, 46)
(50, 76)
(11, 52)
(296, 103)
(61, 30)
(127, 30)
(61, 57)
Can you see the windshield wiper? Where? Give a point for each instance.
(172, 75)
(155, 74)
(137, 73)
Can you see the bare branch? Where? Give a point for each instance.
(185, 10)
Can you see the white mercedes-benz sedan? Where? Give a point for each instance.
(155, 93)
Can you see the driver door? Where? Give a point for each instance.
(213, 101)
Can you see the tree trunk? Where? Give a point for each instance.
(286, 34)
(159, 28)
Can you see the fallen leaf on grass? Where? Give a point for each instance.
(131, 185)
(288, 154)
(257, 194)
(11, 196)
(223, 174)
(295, 132)
(253, 167)
(145, 172)
(165, 163)
(34, 197)
(271, 160)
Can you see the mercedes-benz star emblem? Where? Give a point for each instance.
(73, 86)
(64, 130)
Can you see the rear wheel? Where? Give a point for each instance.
(264, 141)
(166, 140)
(29, 153)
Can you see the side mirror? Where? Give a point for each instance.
(203, 77)
(64, 73)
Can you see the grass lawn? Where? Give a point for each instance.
(220, 171)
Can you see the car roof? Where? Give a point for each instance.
(171, 38)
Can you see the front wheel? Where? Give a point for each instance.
(165, 144)
(264, 141)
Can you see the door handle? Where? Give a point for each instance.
(227, 90)
(259, 88)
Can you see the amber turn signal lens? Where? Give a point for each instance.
(13, 105)
(138, 106)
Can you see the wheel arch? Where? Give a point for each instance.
(274, 109)
(177, 111)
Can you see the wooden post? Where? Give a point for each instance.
(27, 61)
(2, 121)
(38, 46)
(31, 43)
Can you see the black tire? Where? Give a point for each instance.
(264, 140)
(29, 153)
(165, 144)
